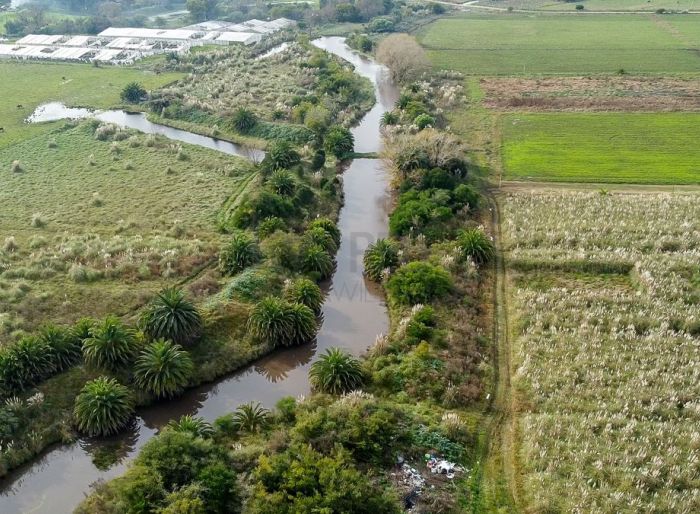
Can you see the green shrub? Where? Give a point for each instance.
(381, 255)
(221, 494)
(475, 244)
(270, 225)
(336, 372)
(111, 345)
(331, 483)
(103, 407)
(163, 369)
(133, 93)
(263, 205)
(171, 316)
(178, 457)
(464, 194)
(283, 249)
(423, 121)
(389, 118)
(242, 251)
(305, 292)
(419, 282)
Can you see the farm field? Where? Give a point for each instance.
(521, 45)
(91, 227)
(604, 298)
(26, 85)
(594, 5)
(657, 148)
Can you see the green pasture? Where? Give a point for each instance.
(547, 44)
(660, 148)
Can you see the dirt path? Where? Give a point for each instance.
(515, 186)
(498, 484)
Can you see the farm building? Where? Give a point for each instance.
(122, 45)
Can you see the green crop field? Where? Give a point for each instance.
(596, 5)
(25, 85)
(659, 148)
(517, 44)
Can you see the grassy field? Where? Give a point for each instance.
(517, 44)
(25, 85)
(91, 227)
(659, 148)
(605, 297)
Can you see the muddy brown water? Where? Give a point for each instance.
(353, 314)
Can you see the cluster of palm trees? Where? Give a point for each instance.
(160, 367)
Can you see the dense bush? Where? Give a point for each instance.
(103, 407)
(179, 457)
(270, 225)
(111, 345)
(163, 369)
(171, 316)
(241, 251)
(283, 249)
(304, 480)
(264, 204)
(475, 244)
(319, 236)
(419, 282)
(381, 255)
(282, 323)
(133, 93)
(65, 348)
(336, 372)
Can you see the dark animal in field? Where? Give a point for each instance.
(20, 106)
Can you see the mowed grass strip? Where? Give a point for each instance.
(516, 44)
(657, 148)
(25, 85)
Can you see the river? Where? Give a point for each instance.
(354, 313)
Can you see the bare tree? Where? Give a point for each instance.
(404, 57)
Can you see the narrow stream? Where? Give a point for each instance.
(354, 313)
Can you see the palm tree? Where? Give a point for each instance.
(336, 372)
(304, 325)
(103, 407)
(65, 349)
(163, 369)
(171, 316)
(251, 417)
(305, 292)
(315, 259)
(244, 119)
(24, 364)
(389, 118)
(111, 345)
(194, 425)
(475, 244)
(319, 236)
(282, 183)
(281, 323)
(241, 252)
(381, 255)
(329, 226)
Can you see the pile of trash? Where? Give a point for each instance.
(442, 466)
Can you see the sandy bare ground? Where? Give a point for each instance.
(614, 93)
